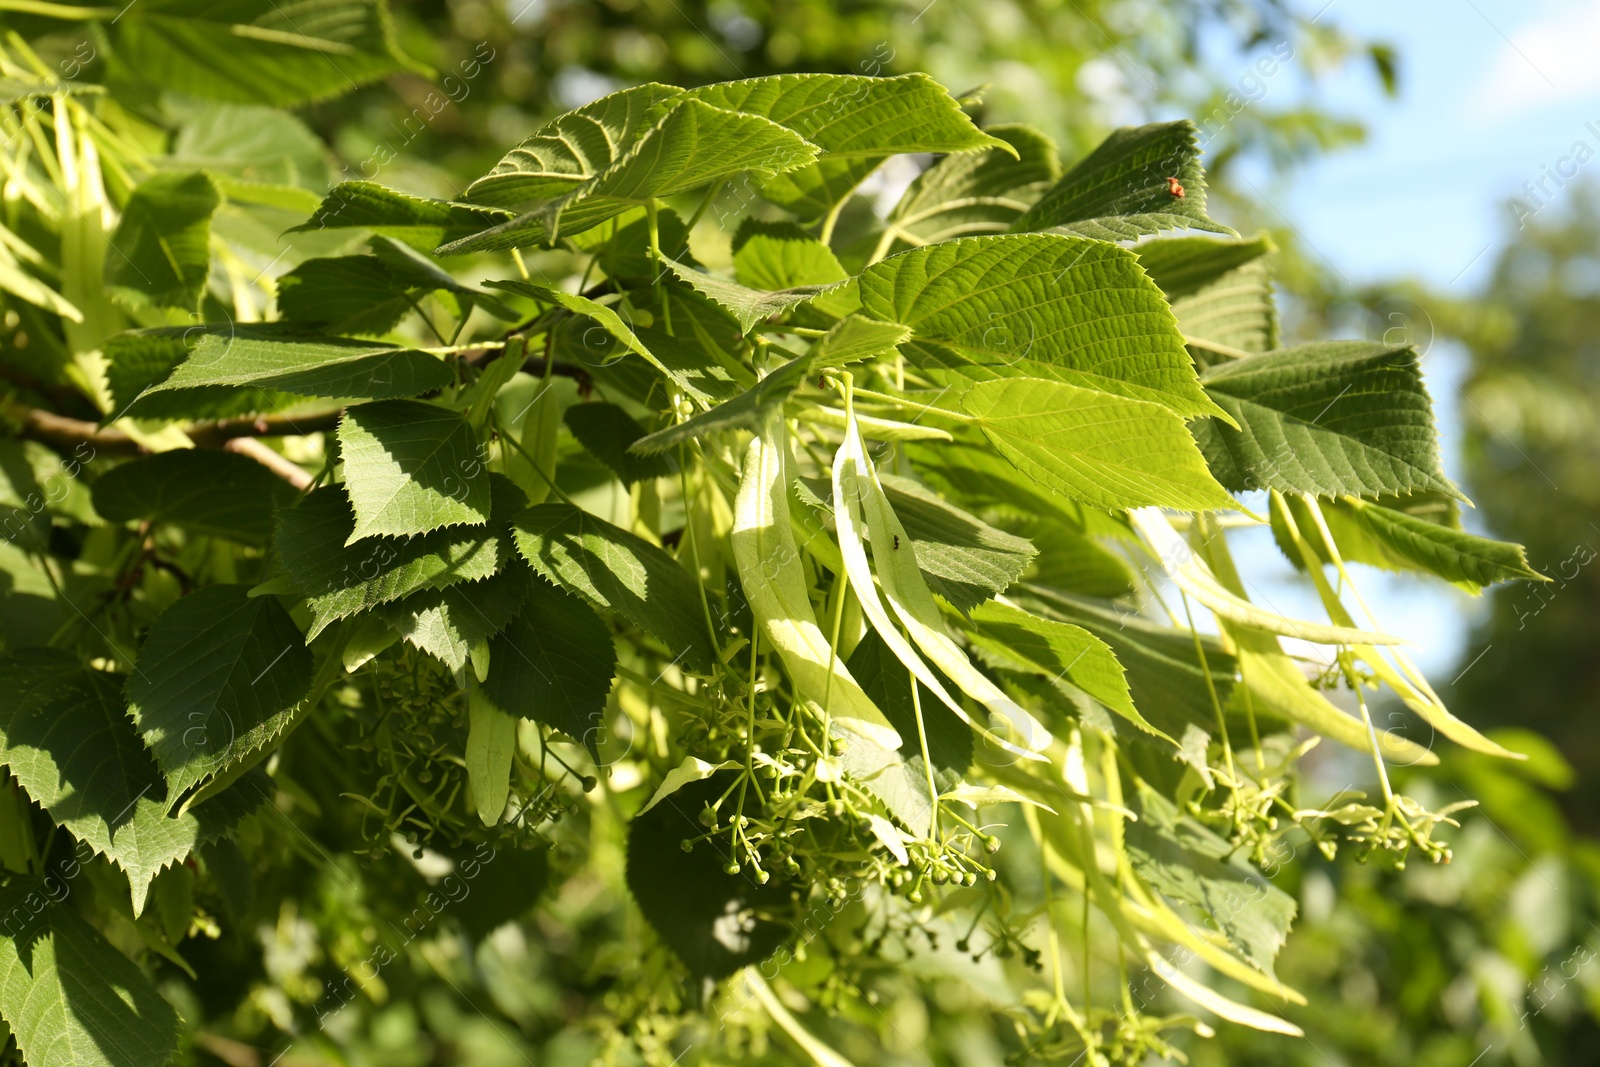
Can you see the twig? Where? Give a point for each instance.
(278, 464)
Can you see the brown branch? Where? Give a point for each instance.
(235, 435)
(216, 434)
(273, 461)
(64, 432)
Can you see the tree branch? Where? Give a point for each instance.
(235, 435)
(277, 464)
(63, 431)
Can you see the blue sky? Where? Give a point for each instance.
(1493, 94)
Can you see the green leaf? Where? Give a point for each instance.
(976, 796)
(1083, 312)
(274, 357)
(369, 294)
(848, 115)
(347, 294)
(1184, 266)
(1220, 290)
(606, 431)
(419, 221)
(1411, 543)
(411, 468)
(532, 462)
(161, 251)
(692, 144)
(698, 354)
(1104, 450)
(744, 411)
(1186, 862)
(554, 664)
(491, 744)
(215, 680)
(693, 916)
(857, 121)
(1163, 671)
(964, 559)
(855, 338)
(211, 492)
(260, 52)
(570, 149)
(980, 192)
(1328, 418)
(612, 569)
(448, 623)
(139, 359)
(1059, 651)
(750, 307)
(1120, 191)
(340, 579)
(256, 145)
(66, 736)
(780, 255)
(70, 998)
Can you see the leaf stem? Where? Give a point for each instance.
(652, 223)
(711, 195)
(1216, 706)
(825, 235)
(926, 409)
(927, 761)
(689, 537)
(64, 12)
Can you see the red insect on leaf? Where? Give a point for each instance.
(1174, 188)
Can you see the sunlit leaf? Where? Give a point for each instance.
(1104, 450)
(1328, 418)
(411, 468)
(1142, 179)
(1080, 311)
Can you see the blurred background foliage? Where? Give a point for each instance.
(1489, 960)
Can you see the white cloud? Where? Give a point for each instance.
(1546, 62)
